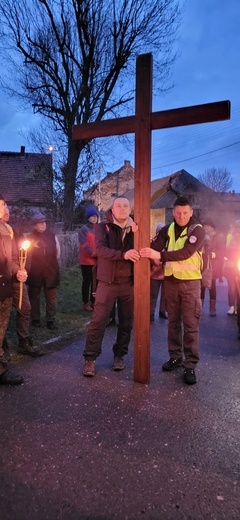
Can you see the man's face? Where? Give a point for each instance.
(121, 209)
(2, 208)
(182, 214)
(40, 227)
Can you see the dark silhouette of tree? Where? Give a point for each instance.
(218, 179)
(74, 62)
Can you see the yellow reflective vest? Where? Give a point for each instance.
(189, 269)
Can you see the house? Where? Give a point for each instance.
(102, 193)
(222, 208)
(26, 181)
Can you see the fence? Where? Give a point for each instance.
(69, 248)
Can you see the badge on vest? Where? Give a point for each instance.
(192, 239)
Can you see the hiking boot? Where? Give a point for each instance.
(171, 364)
(88, 307)
(8, 378)
(27, 348)
(189, 376)
(89, 368)
(118, 363)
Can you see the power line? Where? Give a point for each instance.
(196, 156)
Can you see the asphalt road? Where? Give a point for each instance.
(107, 448)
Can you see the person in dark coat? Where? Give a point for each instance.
(25, 342)
(87, 254)
(44, 271)
(115, 258)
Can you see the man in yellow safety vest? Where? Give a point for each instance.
(179, 247)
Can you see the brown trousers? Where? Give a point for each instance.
(184, 311)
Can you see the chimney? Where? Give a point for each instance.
(22, 151)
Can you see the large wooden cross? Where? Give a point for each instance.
(141, 124)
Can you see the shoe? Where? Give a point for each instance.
(27, 348)
(36, 323)
(171, 364)
(163, 315)
(231, 311)
(111, 322)
(118, 363)
(88, 307)
(51, 325)
(8, 378)
(189, 376)
(89, 368)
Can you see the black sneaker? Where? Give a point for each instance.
(36, 323)
(163, 315)
(171, 364)
(51, 325)
(8, 378)
(189, 376)
(118, 363)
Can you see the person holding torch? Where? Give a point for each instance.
(9, 270)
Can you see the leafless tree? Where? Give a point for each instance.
(218, 179)
(73, 61)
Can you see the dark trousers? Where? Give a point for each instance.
(184, 311)
(230, 275)
(87, 284)
(155, 287)
(212, 291)
(51, 302)
(106, 295)
(23, 314)
(5, 309)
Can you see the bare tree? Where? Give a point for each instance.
(73, 61)
(218, 179)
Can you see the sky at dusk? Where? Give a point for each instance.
(207, 70)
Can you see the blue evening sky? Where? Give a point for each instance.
(207, 70)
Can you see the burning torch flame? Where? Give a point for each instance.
(25, 245)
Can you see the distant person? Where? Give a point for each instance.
(179, 247)
(213, 250)
(44, 271)
(87, 253)
(157, 285)
(230, 269)
(25, 343)
(115, 258)
(9, 270)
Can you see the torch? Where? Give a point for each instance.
(22, 261)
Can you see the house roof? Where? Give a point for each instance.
(26, 177)
(163, 189)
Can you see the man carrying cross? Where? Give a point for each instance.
(179, 247)
(115, 258)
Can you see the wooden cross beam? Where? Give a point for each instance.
(141, 125)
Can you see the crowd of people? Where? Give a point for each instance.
(178, 253)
